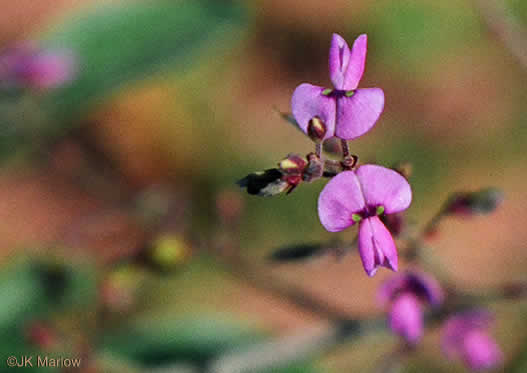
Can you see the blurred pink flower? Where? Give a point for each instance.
(28, 66)
(466, 336)
(406, 295)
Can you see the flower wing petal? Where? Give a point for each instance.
(384, 187)
(308, 102)
(376, 246)
(357, 114)
(339, 200)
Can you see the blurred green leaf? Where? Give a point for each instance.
(195, 342)
(157, 342)
(125, 41)
(22, 294)
(30, 289)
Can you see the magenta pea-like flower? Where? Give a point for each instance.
(343, 111)
(361, 196)
(466, 336)
(406, 295)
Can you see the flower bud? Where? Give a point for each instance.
(120, 287)
(481, 202)
(264, 183)
(316, 129)
(169, 252)
(292, 164)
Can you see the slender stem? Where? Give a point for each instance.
(432, 224)
(505, 26)
(262, 279)
(345, 148)
(318, 149)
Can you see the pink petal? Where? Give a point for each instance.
(384, 187)
(391, 287)
(376, 246)
(456, 328)
(339, 57)
(339, 200)
(357, 114)
(308, 102)
(406, 317)
(346, 67)
(480, 351)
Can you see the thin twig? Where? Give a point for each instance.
(505, 26)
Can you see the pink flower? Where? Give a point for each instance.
(345, 111)
(28, 66)
(406, 295)
(466, 336)
(360, 196)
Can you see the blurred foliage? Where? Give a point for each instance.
(158, 342)
(115, 44)
(145, 36)
(416, 34)
(159, 71)
(195, 341)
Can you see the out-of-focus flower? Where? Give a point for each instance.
(361, 196)
(344, 111)
(406, 295)
(42, 335)
(30, 67)
(466, 336)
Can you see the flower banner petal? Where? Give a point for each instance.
(357, 114)
(339, 200)
(308, 102)
(384, 187)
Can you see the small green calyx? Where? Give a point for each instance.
(350, 93)
(380, 210)
(327, 91)
(356, 218)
